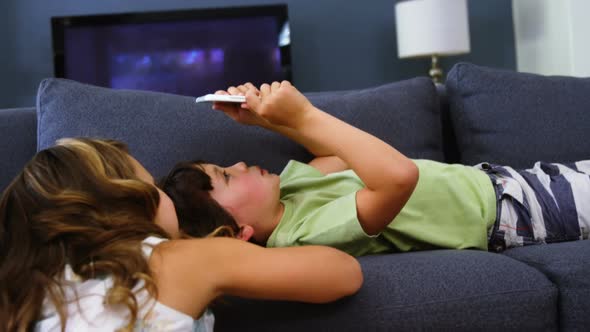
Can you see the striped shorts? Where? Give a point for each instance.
(545, 204)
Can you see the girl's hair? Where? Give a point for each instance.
(78, 203)
(199, 215)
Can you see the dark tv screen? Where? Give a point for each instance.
(190, 52)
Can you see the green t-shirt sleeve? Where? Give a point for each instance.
(313, 219)
(335, 224)
(296, 169)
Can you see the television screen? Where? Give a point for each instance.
(190, 52)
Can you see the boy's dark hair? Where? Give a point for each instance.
(199, 215)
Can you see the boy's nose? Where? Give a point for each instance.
(240, 166)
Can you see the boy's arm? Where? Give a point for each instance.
(389, 176)
(324, 161)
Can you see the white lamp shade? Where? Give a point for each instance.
(428, 27)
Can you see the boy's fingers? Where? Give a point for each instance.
(233, 90)
(242, 89)
(264, 90)
(220, 92)
(275, 86)
(250, 86)
(285, 83)
(220, 106)
(252, 99)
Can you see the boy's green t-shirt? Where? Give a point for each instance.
(452, 206)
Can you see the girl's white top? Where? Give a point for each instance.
(86, 310)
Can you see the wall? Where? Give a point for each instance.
(335, 44)
(551, 36)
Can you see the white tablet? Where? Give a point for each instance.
(221, 98)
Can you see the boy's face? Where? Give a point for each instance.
(249, 194)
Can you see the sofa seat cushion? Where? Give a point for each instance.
(567, 265)
(162, 129)
(515, 119)
(446, 290)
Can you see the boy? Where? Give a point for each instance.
(363, 196)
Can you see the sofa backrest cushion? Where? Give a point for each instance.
(162, 129)
(514, 118)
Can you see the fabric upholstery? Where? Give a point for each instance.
(17, 129)
(567, 265)
(162, 129)
(515, 119)
(444, 290)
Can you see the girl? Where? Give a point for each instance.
(88, 243)
(363, 196)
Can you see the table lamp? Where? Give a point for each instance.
(432, 28)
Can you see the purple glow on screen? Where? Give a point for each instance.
(185, 57)
(216, 55)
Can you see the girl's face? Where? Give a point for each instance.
(249, 194)
(166, 213)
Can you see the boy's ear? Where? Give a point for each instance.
(245, 233)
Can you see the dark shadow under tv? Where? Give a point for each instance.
(186, 52)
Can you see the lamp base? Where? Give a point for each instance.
(435, 72)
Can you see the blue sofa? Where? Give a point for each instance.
(480, 114)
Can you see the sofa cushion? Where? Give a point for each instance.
(567, 265)
(162, 129)
(515, 119)
(443, 290)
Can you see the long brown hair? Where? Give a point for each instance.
(78, 203)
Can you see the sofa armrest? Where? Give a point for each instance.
(19, 141)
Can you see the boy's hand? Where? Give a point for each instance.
(240, 112)
(281, 104)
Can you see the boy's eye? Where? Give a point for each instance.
(226, 176)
